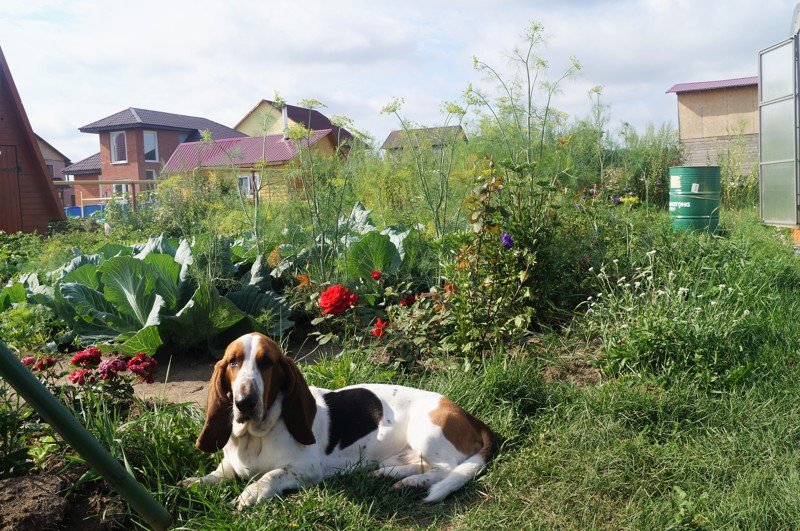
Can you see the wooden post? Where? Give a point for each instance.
(133, 197)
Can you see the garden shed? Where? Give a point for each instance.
(28, 200)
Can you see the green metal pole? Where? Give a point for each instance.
(54, 413)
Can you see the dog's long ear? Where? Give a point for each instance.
(298, 408)
(219, 424)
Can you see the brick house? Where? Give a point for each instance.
(715, 116)
(134, 144)
(28, 200)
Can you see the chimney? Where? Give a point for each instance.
(285, 112)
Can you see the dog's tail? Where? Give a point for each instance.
(465, 471)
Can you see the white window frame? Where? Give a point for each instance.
(123, 189)
(144, 144)
(113, 149)
(153, 178)
(244, 184)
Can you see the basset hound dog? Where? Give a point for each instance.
(270, 423)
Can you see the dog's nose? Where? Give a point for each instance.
(246, 402)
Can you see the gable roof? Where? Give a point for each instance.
(710, 85)
(48, 144)
(88, 165)
(246, 151)
(131, 118)
(40, 173)
(437, 136)
(309, 118)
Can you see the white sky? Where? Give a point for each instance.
(78, 61)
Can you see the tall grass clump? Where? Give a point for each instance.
(712, 310)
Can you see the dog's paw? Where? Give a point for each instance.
(248, 497)
(190, 482)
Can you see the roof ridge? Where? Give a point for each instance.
(135, 114)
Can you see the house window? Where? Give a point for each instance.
(245, 184)
(150, 146)
(182, 137)
(150, 175)
(119, 151)
(120, 189)
(51, 170)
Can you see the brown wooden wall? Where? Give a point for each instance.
(33, 206)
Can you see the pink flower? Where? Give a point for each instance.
(376, 275)
(28, 361)
(380, 324)
(89, 357)
(336, 300)
(108, 369)
(78, 376)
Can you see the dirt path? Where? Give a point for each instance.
(179, 379)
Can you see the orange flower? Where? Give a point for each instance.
(304, 281)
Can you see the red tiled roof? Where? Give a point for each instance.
(88, 165)
(709, 85)
(243, 152)
(134, 118)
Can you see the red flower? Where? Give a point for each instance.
(87, 358)
(28, 361)
(380, 324)
(408, 300)
(44, 363)
(336, 300)
(376, 275)
(108, 369)
(142, 366)
(78, 376)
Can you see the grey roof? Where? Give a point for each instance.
(132, 118)
(87, 165)
(437, 136)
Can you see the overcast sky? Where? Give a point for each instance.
(78, 61)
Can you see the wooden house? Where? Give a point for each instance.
(28, 198)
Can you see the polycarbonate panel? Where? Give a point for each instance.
(777, 131)
(777, 72)
(778, 193)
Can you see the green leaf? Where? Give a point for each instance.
(13, 294)
(110, 250)
(204, 317)
(146, 340)
(258, 275)
(87, 274)
(130, 285)
(168, 271)
(373, 251)
(257, 303)
(89, 305)
(159, 244)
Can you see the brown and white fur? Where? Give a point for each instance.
(269, 422)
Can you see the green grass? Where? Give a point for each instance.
(658, 445)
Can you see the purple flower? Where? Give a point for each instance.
(507, 240)
(591, 191)
(617, 200)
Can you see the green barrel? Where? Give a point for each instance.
(694, 194)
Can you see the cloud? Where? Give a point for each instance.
(77, 62)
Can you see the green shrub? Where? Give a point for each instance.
(27, 327)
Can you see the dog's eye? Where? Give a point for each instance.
(234, 363)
